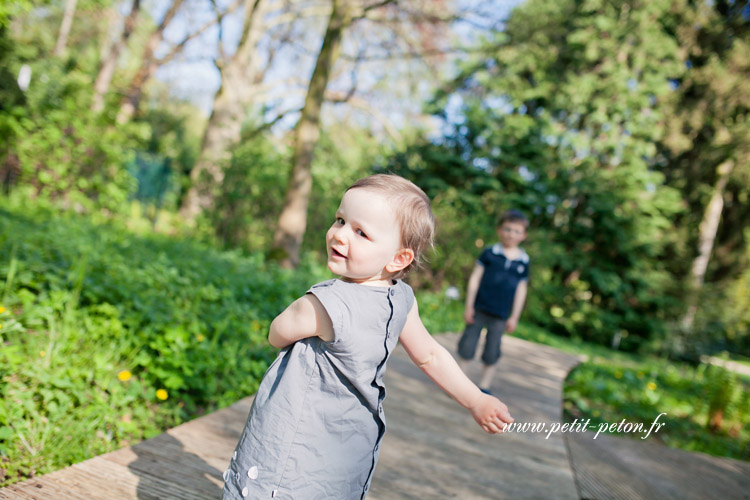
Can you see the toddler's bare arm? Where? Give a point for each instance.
(489, 412)
(305, 317)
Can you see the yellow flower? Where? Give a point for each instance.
(162, 394)
(124, 375)
(651, 386)
(201, 338)
(42, 354)
(2, 309)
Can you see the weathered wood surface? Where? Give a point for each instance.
(432, 450)
(620, 468)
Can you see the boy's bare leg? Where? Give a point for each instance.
(488, 372)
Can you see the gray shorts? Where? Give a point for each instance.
(467, 345)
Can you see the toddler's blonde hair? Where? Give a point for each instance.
(413, 213)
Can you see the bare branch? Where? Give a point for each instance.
(418, 54)
(378, 5)
(365, 106)
(268, 125)
(219, 35)
(290, 17)
(180, 46)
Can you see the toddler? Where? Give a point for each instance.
(317, 421)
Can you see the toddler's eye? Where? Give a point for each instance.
(339, 221)
(361, 233)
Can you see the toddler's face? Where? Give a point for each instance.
(364, 238)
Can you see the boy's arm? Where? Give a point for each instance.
(305, 317)
(439, 365)
(518, 300)
(471, 292)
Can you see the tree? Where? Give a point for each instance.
(231, 103)
(67, 22)
(386, 29)
(149, 63)
(130, 100)
(293, 218)
(564, 109)
(708, 147)
(108, 64)
(397, 20)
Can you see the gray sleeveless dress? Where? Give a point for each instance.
(315, 426)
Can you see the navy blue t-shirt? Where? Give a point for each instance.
(500, 280)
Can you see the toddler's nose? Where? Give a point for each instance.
(339, 234)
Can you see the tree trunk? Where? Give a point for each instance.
(129, 103)
(707, 235)
(67, 23)
(293, 218)
(229, 109)
(107, 68)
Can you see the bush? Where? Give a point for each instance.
(607, 390)
(110, 338)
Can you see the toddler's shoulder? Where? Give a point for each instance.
(324, 284)
(406, 292)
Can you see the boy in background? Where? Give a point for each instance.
(495, 295)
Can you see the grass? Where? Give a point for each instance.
(611, 386)
(109, 338)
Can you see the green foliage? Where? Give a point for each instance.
(439, 313)
(607, 390)
(465, 202)
(709, 129)
(171, 147)
(67, 157)
(343, 155)
(95, 321)
(564, 116)
(11, 8)
(721, 387)
(249, 200)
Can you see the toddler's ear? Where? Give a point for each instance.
(403, 258)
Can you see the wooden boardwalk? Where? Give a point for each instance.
(432, 450)
(620, 468)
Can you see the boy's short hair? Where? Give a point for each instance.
(413, 213)
(513, 216)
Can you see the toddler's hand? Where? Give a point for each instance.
(490, 413)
